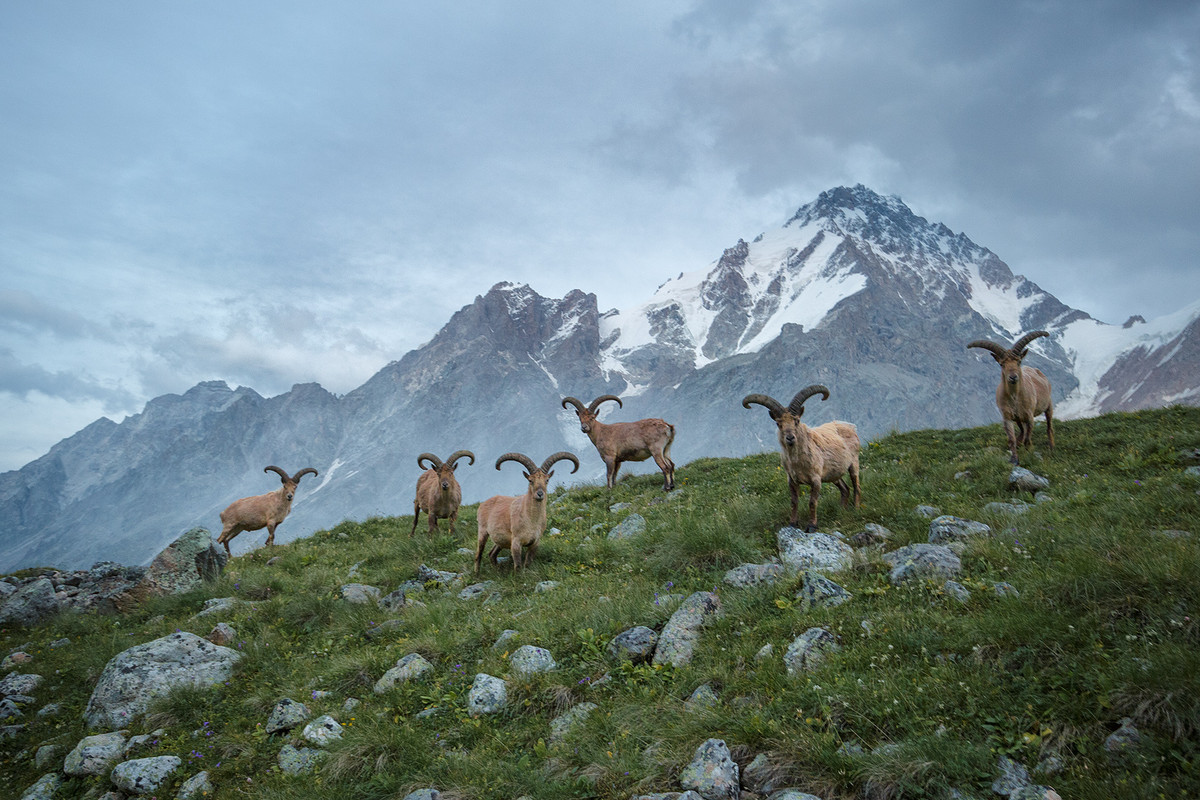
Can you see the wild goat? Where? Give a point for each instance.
(811, 456)
(1023, 393)
(438, 492)
(261, 511)
(517, 522)
(627, 441)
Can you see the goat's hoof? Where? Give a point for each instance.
(811, 529)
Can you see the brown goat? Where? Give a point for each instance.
(261, 511)
(627, 441)
(438, 492)
(517, 523)
(811, 456)
(1023, 393)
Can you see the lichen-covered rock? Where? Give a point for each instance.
(808, 649)
(31, 604)
(957, 591)
(1123, 740)
(1013, 508)
(409, 668)
(632, 525)
(712, 773)
(747, 575)
(636, 644)
(504, 638)
(820, 551)
(677, 642)
(424, 794)
(871, 534)
(394, 601)
(183, 565)
(476, 590)
(95, 754)
(286, 715)
(360, 594)
(817, 591)
(1023, 480)
(704, 697)
(561, 725)
(322, 730)
(218, 605)
(929, 512)
(142, 673)
(948, 528)
(298, 760)
(222, 634)
(488, 695)
(545, 586)
(529, 659)
(196, 787)
(144, 775)
(920, 561)
(45, 788)
(16, 683)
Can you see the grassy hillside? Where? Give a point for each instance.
(1104, 627)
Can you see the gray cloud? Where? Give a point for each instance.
(20, 380)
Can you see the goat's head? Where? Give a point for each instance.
(290, 482)
(445, 469)
(787, 420)
(1009, 358)
(587, 414)
(539, 477)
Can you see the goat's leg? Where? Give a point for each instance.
(515, 549)
(433, 526)
(814, 494)
(530, 549)
(226, 537)
(668, 471)
(844, 490)
(483, 537)
(416, 516)
(271, 533)
(857, 486)
(613, 467)
(1012, 439)
(1050, 426)
(794, 489)
(453, 519)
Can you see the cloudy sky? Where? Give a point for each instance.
(277, 192)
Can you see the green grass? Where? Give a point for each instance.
(933, 690)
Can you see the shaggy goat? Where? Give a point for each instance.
(1023, 393)
(261, 511)
(438, 493)
(811, 456)
(627, 441)
(517, 522)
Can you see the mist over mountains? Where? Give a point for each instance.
(853, 291)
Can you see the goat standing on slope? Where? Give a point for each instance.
(627, 441)
(518, 522)
(438, 492)
(261, 511)
(1023, 393)
(811, 456)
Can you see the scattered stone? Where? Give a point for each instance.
(965, 475)
(141, 743)
(677, 642)
(361, 594)
(871, 534)
(747, 575)
(394, 601)
(31, 604)
(1123, 740)
(918, 561)
(761, 776)
(615, 507)
(817, 591)
(351, 704)
(1043, 497)
(185, 564)
(322, 730)
(1023, 480)
(424, 794)
(218, 605)
(409, 668)
(957, 591)
(504, 638)
(1013, 508)
(561, 725)
(298, 760)
(1004, 589)
(46, 755)
(488, 695)
(1014, 782)
(196, 787)
(713, 773)
(793, 794)
(94, 754)
(144, 775)
(632, 525)
(820, 551)
(529, 659)
(705, 697)
(808, 650)
(1175, 534)
(636, 645)
(929, 512)
(45, 788)
(132, 679)
(545, 586)
(14, 660)
(16, 683)
(374, 631)
(667, 600)
(9, 710)
(949, 528)
(765, 652)
(476, 590)
(428, 575)
(286, 715)
(222, 634)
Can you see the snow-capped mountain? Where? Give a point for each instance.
(853, 291)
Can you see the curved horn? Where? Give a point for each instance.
(998, 351)
(772, 405)
(602, 398)
(1018, 348)
(296, 478)
(797, 404)
(522, 459)
(434, 461)
(283, 476)
(573, 401)
(457, 454)
(561, 455)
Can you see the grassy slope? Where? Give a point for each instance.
(1104, 627)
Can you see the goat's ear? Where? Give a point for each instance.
(997, 358)
(527, 475)
(549, 474)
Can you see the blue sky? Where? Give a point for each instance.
(274, 193)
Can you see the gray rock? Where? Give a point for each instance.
(132, 679)
(753, 575)
(703, 698)
(286, 715)
(561, 725)
(808, 650)
(409, 668)
(95, 754)
(949, 528)
(1013, 508)
(1023, 480)
(46, 755)
(871, 534)
(476, 590)
(16, 683)
(1043, 497)
(429, 575)
(792, 794)
(393, 601)
(360, 594)
(677, 642)
(144, 775)
(764, 652)
(636, 644)
(1123, 740)
(31, 604)
(615, 507)
(322, 730)
(957, 591)
(488, 695)
(196, 787)
(919, 561)
(45, 787)
(820, 551)
(9, 710)
(632, 525)
(1004, 589)
(1192, 472)
(504, 638)
(761, 776)
(529, 659)
(221, 634)
(817, 591)
(298, 760)
(545, 586)
(218, 605)
(713, 773)
(185, 564)
(424, 794)
(929, 512)
(143, 742)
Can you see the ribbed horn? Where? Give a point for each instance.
(797, 404)
(522, 459)
(998, 351)
(772, 405)
(296, 478)
(457, 454)
(561, 455)
(1018, 349)
(434, 461)
(602, 398)
(573, 401)
(283, 476)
